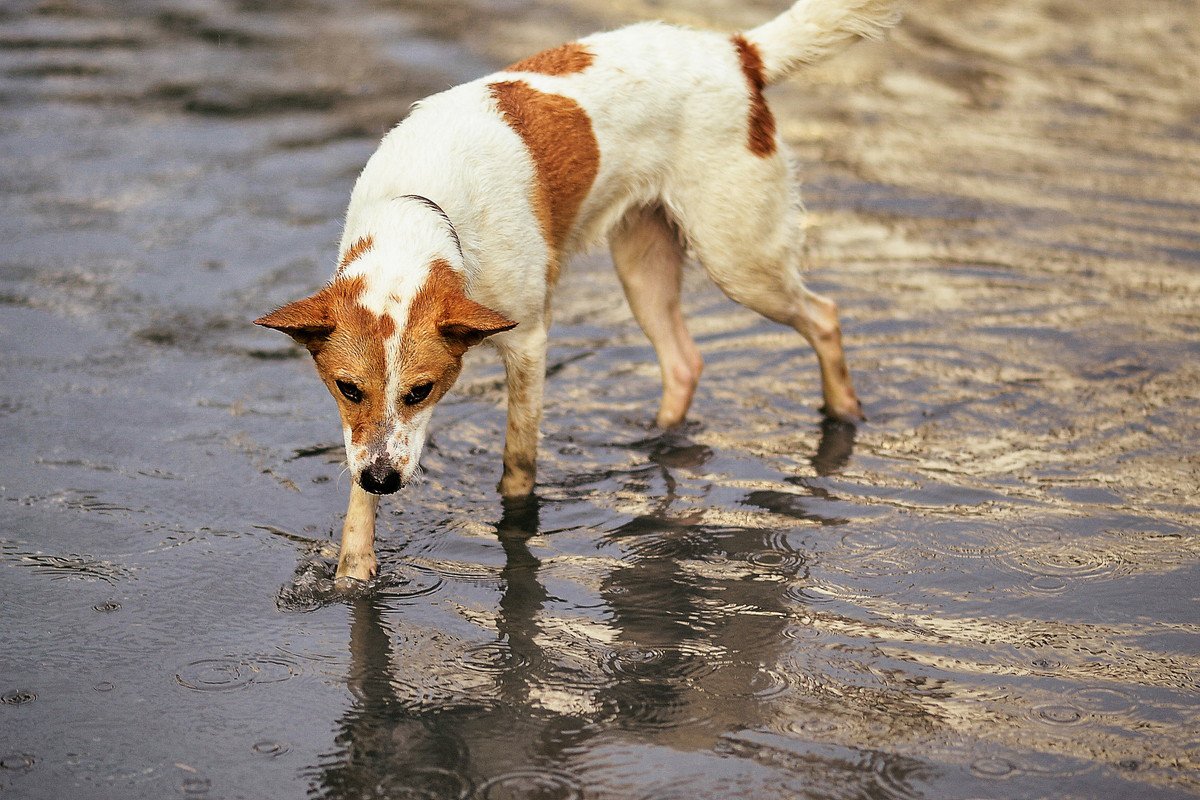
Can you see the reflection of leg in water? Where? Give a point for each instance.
(517, 525)
(370, 655)
(523, 596)
(835, 448)
(386, 747)
(393, 743)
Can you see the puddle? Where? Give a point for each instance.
(988, 590)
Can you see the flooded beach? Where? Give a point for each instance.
(989, 589)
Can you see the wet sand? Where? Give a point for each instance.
(989, 590)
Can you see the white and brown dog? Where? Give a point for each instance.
(656, 138)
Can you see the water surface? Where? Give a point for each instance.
(989, 590)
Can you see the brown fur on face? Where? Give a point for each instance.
(762, 121)
(442, 324)
(350, 343)
(558, 134)
(566, 59)
(347, 344)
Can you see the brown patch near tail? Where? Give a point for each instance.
(566, 59)
(566, 158)
(356, 251)
(762, 122)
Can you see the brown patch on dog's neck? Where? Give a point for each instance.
(558, 135)
(355, 251)
(762, 122)
(566, 59)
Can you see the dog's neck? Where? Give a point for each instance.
(392, 246)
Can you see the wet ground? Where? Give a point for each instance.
(989, 590)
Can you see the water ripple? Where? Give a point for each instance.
(524, 784)
(313, 586)
(994, 767)
(233, 672)
(1050, 560)
(1102, 700)
(651, 707)
(493, 658)
(1058, 714)
(17, 762)
(778, 556)
(82, 567)
(680, 663)
(271, 748)
(18, 697)
(426, 783)
(195, 785)
(765, 683)
(1064, 561)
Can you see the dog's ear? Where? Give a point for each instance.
(308, 321)
(467, 323)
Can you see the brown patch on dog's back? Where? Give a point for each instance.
(566, 158)
(762, 122)
(355, 251)
(566, 59)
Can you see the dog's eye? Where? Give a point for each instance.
(349, 391)
(418, 394)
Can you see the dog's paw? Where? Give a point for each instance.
(355, 567)
(849, 410)
(516, 485)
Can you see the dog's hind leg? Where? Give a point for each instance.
(743, 220)
(524, 353)
(648, 255)
(356, 557)
(786, 300)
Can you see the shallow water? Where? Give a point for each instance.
(989, 590)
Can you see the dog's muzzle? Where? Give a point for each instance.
(380, 477)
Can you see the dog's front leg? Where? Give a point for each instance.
(356, 558)
(525, 372)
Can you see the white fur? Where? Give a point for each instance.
(813, 29)
(356, 454)
(406, 442)
(456, 150)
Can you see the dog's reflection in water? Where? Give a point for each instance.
(670, 659)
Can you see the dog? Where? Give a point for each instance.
(653, 137)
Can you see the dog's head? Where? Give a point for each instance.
(388, 340)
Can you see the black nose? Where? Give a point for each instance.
(380, 478)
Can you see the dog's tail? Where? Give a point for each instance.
(812, 30)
